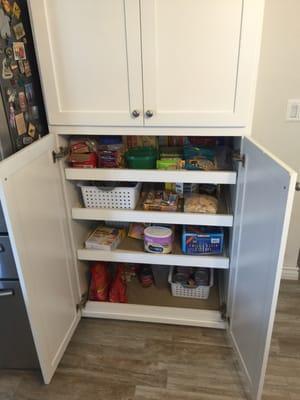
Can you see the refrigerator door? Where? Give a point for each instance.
(7, 263)
(16, 343)
(6, 148)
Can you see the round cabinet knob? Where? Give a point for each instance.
(135, 113)
(149, 113)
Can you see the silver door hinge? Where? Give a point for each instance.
(60, 154)
(237, 157)
(80, 306)
(223, 310)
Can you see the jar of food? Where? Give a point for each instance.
(158, 239)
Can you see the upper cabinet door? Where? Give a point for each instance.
(90, 60)
(265, 195)
(199, 61)
(33, 204)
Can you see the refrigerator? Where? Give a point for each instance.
(17, 348)
(22, 113)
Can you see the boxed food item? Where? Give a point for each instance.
(197, 240)
(142, 141)
(83, 153)
(199, 158)
(111, 152)
(200, 203)
(104, 238)
(161, 200)
(170, 163)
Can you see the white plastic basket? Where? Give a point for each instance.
(200, 292)
(111, 197)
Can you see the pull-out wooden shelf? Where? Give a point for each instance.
(151, 175)
(131, 250)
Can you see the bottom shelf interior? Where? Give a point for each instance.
(156, 303)
(153, 296)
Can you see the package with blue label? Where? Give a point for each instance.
(197, 240)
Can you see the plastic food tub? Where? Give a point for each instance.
(141, 158)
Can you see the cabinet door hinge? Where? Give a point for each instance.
(60, 154)
(82, 303)
(223, 310)
(237, 157)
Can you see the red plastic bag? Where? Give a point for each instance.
(117, 293)
(100, 282)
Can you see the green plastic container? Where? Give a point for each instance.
(141, 158)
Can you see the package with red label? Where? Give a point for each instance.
(83, 153)
(100, 282)
(117, 293)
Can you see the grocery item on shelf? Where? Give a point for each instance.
(200, 203)
(111, 195)
(117, 291)
(142, 141)
(104, 238)
(211, 189)
(170, 164)
(160, 274)
(136, 231)
(199, 158)
(183, 188)
(100, 281)
(141, 158)
(158, 239)
(191, 283)
(197, 240)
(111, 152)
(161, 200)
(167, 152)
(83, 153)
(145, 276)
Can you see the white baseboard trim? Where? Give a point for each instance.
(290, 273)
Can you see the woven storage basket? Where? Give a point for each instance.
(200, 292)
(111, 197)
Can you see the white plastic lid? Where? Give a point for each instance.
(158, 232)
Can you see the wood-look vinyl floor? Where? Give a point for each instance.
(114, 360)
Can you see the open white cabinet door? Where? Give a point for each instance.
(33, 205)
(265, 194)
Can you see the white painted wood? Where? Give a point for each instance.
(265, 195)
(290, 273)
(179, 218)
(32, 200)
(141, 257)
(147, 131)
(162, 315)
(90, 60)
(200, 61)
(149, 175)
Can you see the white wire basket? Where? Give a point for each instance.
(200, 292)
(111, 197)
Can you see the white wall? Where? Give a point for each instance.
(278, 81)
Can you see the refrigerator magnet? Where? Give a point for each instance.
(11, 95)
(19, 51)
(6, 6)
(21, 67)
(27, 140)
(27, 69)
(6, 71)
(16, 10)
(19, 31)
(4, 25)
(31, 130)
(22, 101)
(34, 110)
(29, 93)
(12, 121)
(20, 123)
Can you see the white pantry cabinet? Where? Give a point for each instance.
(39, 199)
(149, 63)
